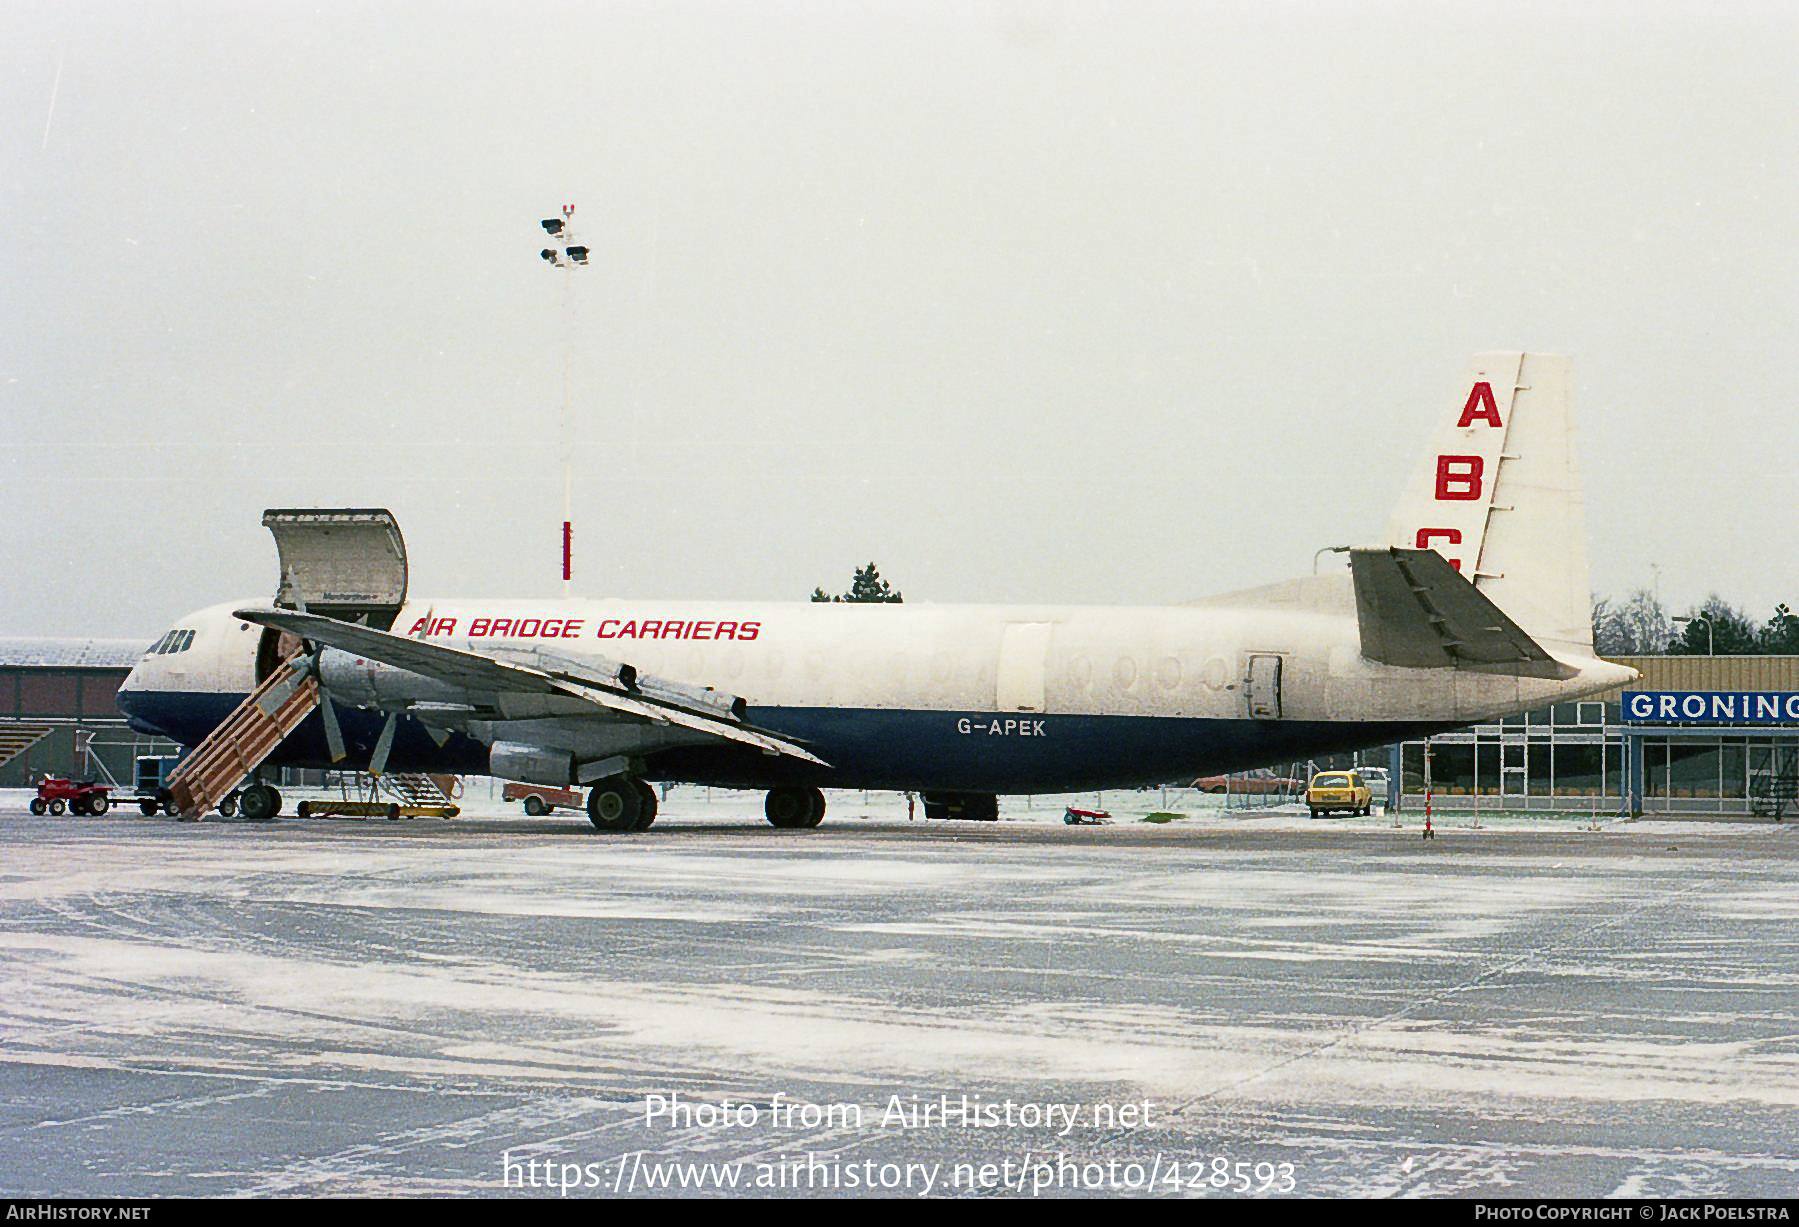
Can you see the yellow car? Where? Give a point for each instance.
(1338, 790)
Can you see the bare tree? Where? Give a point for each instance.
(1637, 627)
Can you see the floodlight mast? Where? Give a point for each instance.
(565, 255)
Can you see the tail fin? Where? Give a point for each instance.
(1500, 497)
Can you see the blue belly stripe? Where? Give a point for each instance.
(882, 748)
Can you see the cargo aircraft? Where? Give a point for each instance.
(1474, 606)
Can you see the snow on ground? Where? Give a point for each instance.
(1530, 1008)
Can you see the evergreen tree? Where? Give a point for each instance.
(1780, 636)
(869, 588)
(866, 588)
(1732, 633)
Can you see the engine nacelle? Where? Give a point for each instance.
(516, 760)
(369, 683)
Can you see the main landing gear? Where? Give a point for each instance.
(794, 808)
(621, 803)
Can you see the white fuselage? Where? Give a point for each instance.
(957, 697)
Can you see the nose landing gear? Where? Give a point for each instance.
(258, 803)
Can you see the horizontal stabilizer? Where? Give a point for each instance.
(1417, 611)
(618, 692)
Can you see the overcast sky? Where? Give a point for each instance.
(1026, 301)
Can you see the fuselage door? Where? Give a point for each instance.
(347, 563)
(1021, 659)
(1263, 689)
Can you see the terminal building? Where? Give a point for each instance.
(1695, 735)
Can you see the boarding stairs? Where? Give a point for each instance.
(17, 737)
(416, 787)
(1772, 796)
(390, 795)
(245, 740)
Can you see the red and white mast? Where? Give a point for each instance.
(567, 255)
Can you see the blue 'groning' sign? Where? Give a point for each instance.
(1711, 706)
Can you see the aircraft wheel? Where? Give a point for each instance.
(535, 807)
(259, 803)
(647, 814)
(148, 808)
(792, 808)
(39, 806)
(614, 805)
(57, 807)
(818, 807)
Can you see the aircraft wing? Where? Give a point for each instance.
(1417, 610)
(613, 688)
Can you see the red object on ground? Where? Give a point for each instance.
(539, 799)
(80, 796)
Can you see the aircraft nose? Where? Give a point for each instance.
(134, 702)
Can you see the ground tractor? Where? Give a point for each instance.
(55, 795)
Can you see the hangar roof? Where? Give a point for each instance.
(71, 653)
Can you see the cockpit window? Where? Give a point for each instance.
(174, 641)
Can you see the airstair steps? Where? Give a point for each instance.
(245, 740)
(17, 737)
(1772, 795)
(415, 788)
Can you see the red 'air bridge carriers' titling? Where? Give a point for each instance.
(493, 626)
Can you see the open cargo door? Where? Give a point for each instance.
(347, 563)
